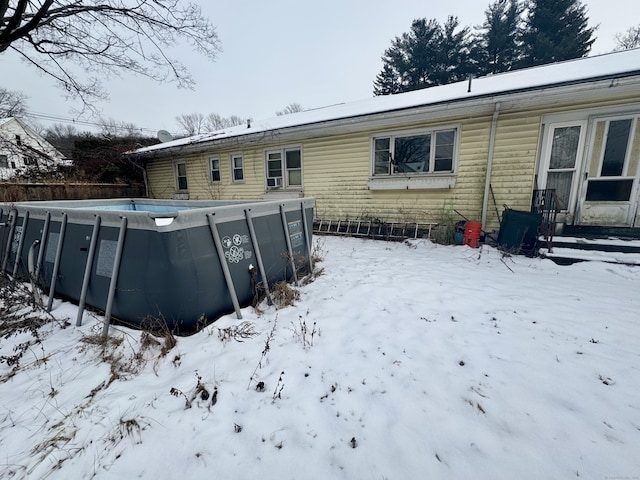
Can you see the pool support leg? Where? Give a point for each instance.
(87, 269)
(114, 277)
(16, 262)
(56, 263)
(256, 248)
(285, 225)
(43, 242)
(12, 226)
(223, 262)
(307, 239)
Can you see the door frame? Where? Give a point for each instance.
(566, 215)
(586, 212)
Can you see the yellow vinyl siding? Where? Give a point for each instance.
(336, 169)
(337, 173)
(161, 178)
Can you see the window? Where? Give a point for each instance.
(30, 161)
(615, 151)
(181, 175)
(4, 161)
(215, 169)
(237, 167)
(565, 145)
(18, 140)
(284, 168)
(420, 153)
(616, 143)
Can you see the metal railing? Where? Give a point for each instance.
(546, 202)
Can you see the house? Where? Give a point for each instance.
(22, 148)
(432, 155)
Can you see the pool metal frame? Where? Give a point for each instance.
(103, 214)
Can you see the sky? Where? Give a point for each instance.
(276, 53)
(399, 361)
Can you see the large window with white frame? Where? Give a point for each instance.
(418, 152)
(284, 168)
(214, 168)
(237, 167)
(180, 170)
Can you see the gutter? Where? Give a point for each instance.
(487, 181)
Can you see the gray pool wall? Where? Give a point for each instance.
(170, 267)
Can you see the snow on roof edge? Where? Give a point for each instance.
(624, 63)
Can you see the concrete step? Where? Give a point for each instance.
(568, 250)
(610, 244)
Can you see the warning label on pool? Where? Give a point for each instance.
(295, 234)
(234, 248)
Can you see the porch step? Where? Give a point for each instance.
(568, 250)
(609, 244)
(593, 232)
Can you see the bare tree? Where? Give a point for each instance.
(191, 123)
(63, 137)
(12, 104)
(214, 121)
(291, 108)
(629, 39)
(114, 128)
(104, 37)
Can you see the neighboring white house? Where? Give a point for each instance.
(21, 147)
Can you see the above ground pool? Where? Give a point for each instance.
(140, 260)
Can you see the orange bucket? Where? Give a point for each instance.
(472, 232)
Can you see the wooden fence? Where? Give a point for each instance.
(22, 192)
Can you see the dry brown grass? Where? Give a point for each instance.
(284, 295)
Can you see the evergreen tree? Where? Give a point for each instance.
(455, 48)
(497, 47)
(387, 81)
(555, 30)
(430, 54)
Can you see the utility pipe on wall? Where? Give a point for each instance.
(487, 182)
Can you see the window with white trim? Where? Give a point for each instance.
(4, 161)
(284, 168)
(426, 152)
(237, 167)
(214, 167)
(180, 170)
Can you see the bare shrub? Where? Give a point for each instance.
(158, 327)
(303, 333)
(284, 295)
(21, 314)
(236, 332)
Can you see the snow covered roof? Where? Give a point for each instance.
(5, 120)
(583, 70)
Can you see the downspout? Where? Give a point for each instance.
(487, 182)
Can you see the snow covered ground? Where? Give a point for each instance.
(418, 361)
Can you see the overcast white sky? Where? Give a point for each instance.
(283, 51)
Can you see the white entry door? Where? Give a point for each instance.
(562, 154)
(609, 195)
